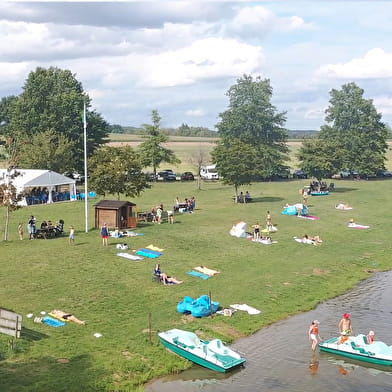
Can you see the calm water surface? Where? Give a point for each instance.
(279, 357)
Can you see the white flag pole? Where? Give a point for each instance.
(85, 166)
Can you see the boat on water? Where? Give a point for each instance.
(357, 347)
(211, 354)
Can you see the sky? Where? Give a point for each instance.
(181, 57)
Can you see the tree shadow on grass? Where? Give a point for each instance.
(50, 374)
(267, 199)
(343, 190)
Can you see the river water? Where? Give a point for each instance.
(279, 357)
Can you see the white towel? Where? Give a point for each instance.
(246, 308)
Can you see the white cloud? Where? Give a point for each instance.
(376, 63)
(315, 114)
(203, 59)
(195, 112)
(383, 104)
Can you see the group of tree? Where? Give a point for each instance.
(182, 130)
(253, 139)
(354, 137)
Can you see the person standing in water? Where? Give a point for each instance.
(345, 326)
(313, 333)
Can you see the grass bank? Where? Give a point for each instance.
(116, 296)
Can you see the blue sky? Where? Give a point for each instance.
(180, 57)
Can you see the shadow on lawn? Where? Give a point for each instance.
(50, 374)
(30, 334)
(343, 190)
(267, 199)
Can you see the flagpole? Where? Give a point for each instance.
(85, 166)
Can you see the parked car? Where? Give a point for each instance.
(166, 175)
(383, 173)
(187, 176)
(299, 174)
(347, 173)
(209, 172)
(151, 177)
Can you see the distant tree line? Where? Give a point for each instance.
(183, 130)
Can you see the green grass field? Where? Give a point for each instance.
(117, 296)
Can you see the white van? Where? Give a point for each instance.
(209, 173)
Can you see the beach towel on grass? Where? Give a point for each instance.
(154, 252)
(246, 308)
(133, 234)
(205, 270)
(309, 217)
(301, 241)
(152, 247)
(53, 322)
(129, 256)
(356, 226)
(264, 242)
(147, 254)
(199, 274)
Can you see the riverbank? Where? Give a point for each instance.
(117, 296)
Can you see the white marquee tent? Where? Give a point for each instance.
(30, 178)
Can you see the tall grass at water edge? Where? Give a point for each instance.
(116, 296)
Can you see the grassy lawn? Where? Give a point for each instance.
(117, 296)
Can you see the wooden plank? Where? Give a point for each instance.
(10, 332)
(8, 323)
(6, 314)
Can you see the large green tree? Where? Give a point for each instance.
(235, 162)
(319, 158)
(117, 170)
(152, 151)
(354, 123)
(254, 121)
(52, 101)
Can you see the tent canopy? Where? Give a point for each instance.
(29, 178)
(34, 178)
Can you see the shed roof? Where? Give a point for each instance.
(113, 204)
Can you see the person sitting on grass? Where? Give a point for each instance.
(164, 278)
(315, 240)
(66, 316)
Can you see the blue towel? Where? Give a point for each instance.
(154, 252)
(146, 254)
(52, 321)
(199, 274)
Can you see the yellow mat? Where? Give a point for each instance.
(152, 247)
(207, 271)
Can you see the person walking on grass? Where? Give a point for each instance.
(104, 234)
(71, 237)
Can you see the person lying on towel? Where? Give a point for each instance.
(165, 279)
(66, 316)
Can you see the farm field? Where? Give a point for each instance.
(118, 298)
(184, 147)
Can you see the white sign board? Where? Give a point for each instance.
(10, 323)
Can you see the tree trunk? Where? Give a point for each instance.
(236, 193)
(7, 220)
(198, 178)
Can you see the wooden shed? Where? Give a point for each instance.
(115, 213)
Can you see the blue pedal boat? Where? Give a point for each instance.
(211, 354)
(356, 347)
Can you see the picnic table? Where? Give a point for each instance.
(48, 232)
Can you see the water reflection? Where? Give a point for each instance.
(279, 357)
